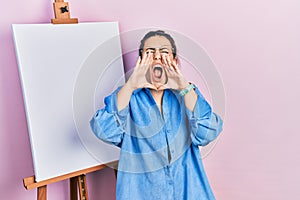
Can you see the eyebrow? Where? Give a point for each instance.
(152, 48)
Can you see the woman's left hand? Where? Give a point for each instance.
(176, 80)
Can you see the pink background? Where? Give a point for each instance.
(255, 46)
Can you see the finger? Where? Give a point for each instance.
(148, 61)
(167, 66)
(144, 58)
(149, 58)
(169, 62)
(168, 71)
(165, 62)
(176, 67)
(138, 61)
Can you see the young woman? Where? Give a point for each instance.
(158, 119)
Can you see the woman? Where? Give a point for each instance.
(158, 119)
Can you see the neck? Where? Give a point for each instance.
(157, 95)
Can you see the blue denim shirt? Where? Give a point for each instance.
(159, 157)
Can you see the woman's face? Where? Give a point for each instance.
(159, 47)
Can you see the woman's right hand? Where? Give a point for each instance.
(138, 76)
(135, 81)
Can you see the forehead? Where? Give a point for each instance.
(157, 42)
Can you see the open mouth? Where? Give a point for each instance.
(158, 75)
(157, 71)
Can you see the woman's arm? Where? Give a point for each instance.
(136, 80)
(108, 124)
(205, 125)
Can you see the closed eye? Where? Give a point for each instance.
(150, 51)
(162, 50)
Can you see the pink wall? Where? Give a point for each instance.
(255, 46)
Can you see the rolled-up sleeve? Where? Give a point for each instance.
(205, 125)
(108, 124)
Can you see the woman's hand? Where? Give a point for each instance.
(138, 77)
(136, 80)
(176, 79)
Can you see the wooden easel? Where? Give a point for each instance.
(78, 183)
(62, 13)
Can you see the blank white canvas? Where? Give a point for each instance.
(66, 71)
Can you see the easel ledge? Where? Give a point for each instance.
(29, 182)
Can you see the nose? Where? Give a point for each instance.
(157, 55)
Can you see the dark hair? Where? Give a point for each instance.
(157, 33)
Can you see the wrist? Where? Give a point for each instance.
(129, 87)
(187, 89)
(183, 85)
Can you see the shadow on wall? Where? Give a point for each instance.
(102, 184)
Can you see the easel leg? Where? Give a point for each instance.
(83, 193)
(42, 193)
(78, 183)
(73, 188)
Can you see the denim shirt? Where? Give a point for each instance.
(159, 154)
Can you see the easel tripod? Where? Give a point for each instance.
(77, 179)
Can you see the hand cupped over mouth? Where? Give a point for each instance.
(157, 75)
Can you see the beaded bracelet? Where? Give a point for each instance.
(187, 89)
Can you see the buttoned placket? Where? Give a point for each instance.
(168, 168)
(170, 152)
